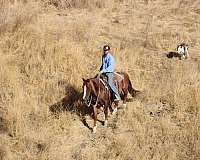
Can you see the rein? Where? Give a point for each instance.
(98, 94)
(90, 101)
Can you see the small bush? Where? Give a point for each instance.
(63, 4)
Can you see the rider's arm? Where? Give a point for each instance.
(110, 65)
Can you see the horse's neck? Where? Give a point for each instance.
(97, 85)
(94, 86)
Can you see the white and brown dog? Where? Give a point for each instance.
(182, 50)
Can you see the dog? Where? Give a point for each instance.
(182, 50)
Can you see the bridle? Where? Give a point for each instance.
(88, 102)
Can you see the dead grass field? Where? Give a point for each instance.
(47, 46)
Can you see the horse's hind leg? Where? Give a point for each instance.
(115, 109)
(106, 116)
(110, 108)
(125, 97)
(95, 119)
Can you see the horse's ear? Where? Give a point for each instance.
(86, 80)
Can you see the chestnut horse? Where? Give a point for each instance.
(97, 94)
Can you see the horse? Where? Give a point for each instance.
(98, 94)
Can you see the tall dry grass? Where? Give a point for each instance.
(46, 47)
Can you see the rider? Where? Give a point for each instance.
(107, 68)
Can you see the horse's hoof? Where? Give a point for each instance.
(124, 105)
(101, 108)
(106, 123)
(116, 103)
(114, 111)
(94, 129)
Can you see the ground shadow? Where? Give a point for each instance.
(3, 125)
(72, 97)
(72, 102)
(130, 99)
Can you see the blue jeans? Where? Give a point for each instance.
(110, 76)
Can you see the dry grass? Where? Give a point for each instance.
(47, 46)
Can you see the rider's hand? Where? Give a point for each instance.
(99, 74)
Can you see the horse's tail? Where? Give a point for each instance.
(131, 90)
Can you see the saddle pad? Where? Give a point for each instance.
(118, 77)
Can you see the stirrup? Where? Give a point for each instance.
(117, 98)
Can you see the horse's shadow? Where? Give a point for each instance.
(72, 102)
(68, 102)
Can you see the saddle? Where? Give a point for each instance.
(118, 77)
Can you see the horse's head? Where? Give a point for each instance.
(86, 88)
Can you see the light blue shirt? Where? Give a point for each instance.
(108, 63)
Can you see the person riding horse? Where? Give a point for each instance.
(97, 95)
(107, 68)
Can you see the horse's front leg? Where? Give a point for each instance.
(95, 119)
